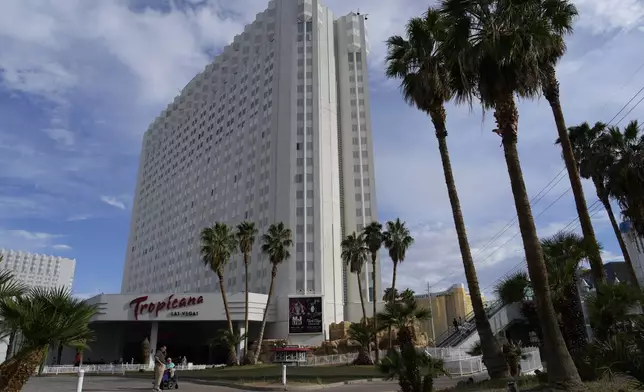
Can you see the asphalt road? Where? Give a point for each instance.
(113, 384)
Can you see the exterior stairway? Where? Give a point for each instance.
(500, 317)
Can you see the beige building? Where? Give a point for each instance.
(446, 306)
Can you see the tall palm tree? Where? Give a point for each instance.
(626, 175)
(218, 244)
(276, 244)
(594, 158)
(246, 234)
(495, 50)
(354, 254)
(425, 83)
(397, 240)
(560, 15)
(43, 317)
(373, 238)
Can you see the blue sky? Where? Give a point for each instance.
(81, 80)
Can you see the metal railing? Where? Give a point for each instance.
(454, 336)
(110, 369)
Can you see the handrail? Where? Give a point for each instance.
(457, 336)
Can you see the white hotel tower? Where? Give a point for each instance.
(276, 128)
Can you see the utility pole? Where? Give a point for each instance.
(431, 310)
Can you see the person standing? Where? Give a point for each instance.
(159, 367)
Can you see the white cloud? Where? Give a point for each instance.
(32, 241)
(60, 135)
(80, 217)
(120, 67)
(113, 201)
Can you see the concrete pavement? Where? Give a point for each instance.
(114, 384)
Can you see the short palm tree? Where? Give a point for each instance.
(354, 254)
(373, 238)
(403, 316)
(224, 338)
(594, 155)
(276, 244)
(560, 15)
(397, 239)
(218, 244)
(610, 308)
(360, 334)
(246, 234)
(9, 288)
(495, 50)
(563, 253)
(43, 317)
(414, 370)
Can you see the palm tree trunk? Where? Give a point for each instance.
(19, 369)
(393, 296)
(224, 298)
(562, 373)
(246, 256)
(613, 222)
(492, 353)
(551, 92)
(11, 343)
(258, 347)
(232, 350)
(374, 256)
(364, 310)
(573, 323)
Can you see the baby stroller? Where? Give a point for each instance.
(168, 382)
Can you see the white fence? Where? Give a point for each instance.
(110, 369)
(457, 361)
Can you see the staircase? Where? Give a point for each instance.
(499, 315)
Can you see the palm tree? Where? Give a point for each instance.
(495, 50)
(276, 244)
(414, 370)
(560, 15)
(397, 240)
(218, 244)
(43, 316)
(246, 233)
(611, 307)
(594, 158)
(626, 175)
(9, 288)
(403, 316)
(360, 334)
(563, 253)
(224, 338)
(354, 254)
(373, 238)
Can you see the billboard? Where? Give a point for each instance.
(305, 315)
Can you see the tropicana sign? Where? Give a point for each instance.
(140, 306)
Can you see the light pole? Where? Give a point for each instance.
(431, 310)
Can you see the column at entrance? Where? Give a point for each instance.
(154, 337)
(241, 347)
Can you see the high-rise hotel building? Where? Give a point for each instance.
(276, 129)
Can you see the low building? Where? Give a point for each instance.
(187, 324)
(453, 303)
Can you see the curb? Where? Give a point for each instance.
(280, 388)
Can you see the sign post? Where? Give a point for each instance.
(284, 375)
(81, 377)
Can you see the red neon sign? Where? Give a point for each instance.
(171, 303)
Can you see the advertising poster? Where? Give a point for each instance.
(305, 315)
